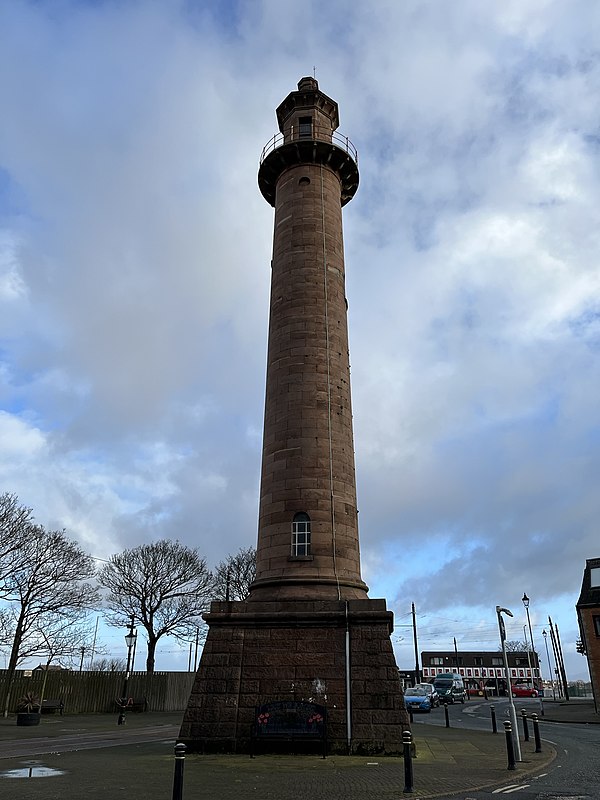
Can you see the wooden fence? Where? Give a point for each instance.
(97, 692)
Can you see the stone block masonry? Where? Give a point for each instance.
(260, 652)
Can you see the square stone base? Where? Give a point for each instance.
(258, 652)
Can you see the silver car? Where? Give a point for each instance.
(431, 691)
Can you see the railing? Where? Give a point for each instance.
(316, 134)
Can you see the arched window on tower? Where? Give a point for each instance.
(301, 534)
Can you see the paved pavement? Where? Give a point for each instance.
(92, 757)
(576, 710)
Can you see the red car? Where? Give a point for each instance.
(524, 691)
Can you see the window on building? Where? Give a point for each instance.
(301, 534)
(497, 662)
(478, 661)
(520, 662)
(305, 126)
(597, 626)
(436, 660)
(594, 577)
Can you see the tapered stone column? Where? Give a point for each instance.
(308, 630)
(307, 173)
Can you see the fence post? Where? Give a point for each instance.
(180, 749)
(510, 749)
(408, 767)
(536, 733)
(525, 725)
(446, 715)
(494, 724)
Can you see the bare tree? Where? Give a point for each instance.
(45, 590)
(15, 524)
(235, 574)
(165, 586)
(515, 646)
(109, 665)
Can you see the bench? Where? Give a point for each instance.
(135, 704)
(289, 726)
(51, 705)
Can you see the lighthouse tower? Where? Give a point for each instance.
(308, 631)
(308, 531)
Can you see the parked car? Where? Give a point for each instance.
(417, 699)
(521, 690)
(431, 691)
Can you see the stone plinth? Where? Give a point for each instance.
(258, 652)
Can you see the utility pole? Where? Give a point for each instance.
(417, 669)
(557, 669)
(563, 671)
(456, 655)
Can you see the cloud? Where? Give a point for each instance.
(134, 277)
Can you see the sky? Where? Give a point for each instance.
(134, 286)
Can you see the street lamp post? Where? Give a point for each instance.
(525, 601)
(130, 641)
(531, 675)
(511, 702)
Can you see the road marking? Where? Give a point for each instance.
(504, 788)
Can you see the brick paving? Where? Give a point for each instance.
(97, 759)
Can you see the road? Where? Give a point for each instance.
(573, 775)
(85, 741)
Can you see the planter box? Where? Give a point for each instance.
(28, 718)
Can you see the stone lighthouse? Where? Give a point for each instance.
(308, 632)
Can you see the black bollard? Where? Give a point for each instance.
(510, 748)
(410, 716)
(536, 733)
(178, 773)
(494, 725)
(446, 715)
(525, 725)
(408, 768)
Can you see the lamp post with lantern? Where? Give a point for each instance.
(525, 601)
(130, 641)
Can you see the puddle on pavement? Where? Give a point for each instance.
(34, 771)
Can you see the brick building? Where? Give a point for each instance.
(588, 615)
(480, 665)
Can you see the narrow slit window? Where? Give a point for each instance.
(305, 126)
(301, 534)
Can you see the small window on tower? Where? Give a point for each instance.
(301, 534)
(305, 126)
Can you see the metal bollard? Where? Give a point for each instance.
(178, 773)
(494, 724)
(408, 767)
(446, 715)
(510, 749)
(410, 715)
(536, 733)
(525, 725)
